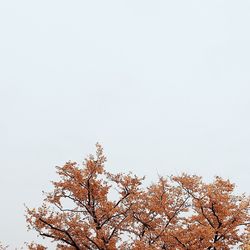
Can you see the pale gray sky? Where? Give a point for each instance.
(163, 85)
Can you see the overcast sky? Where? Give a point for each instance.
(164, 86)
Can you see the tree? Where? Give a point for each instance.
(177, 212)
(2, 247)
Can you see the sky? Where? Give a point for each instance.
(164, 86)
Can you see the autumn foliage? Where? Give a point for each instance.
(91, 208)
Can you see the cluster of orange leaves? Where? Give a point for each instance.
(91, 208)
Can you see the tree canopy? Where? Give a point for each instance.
(91, 208)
